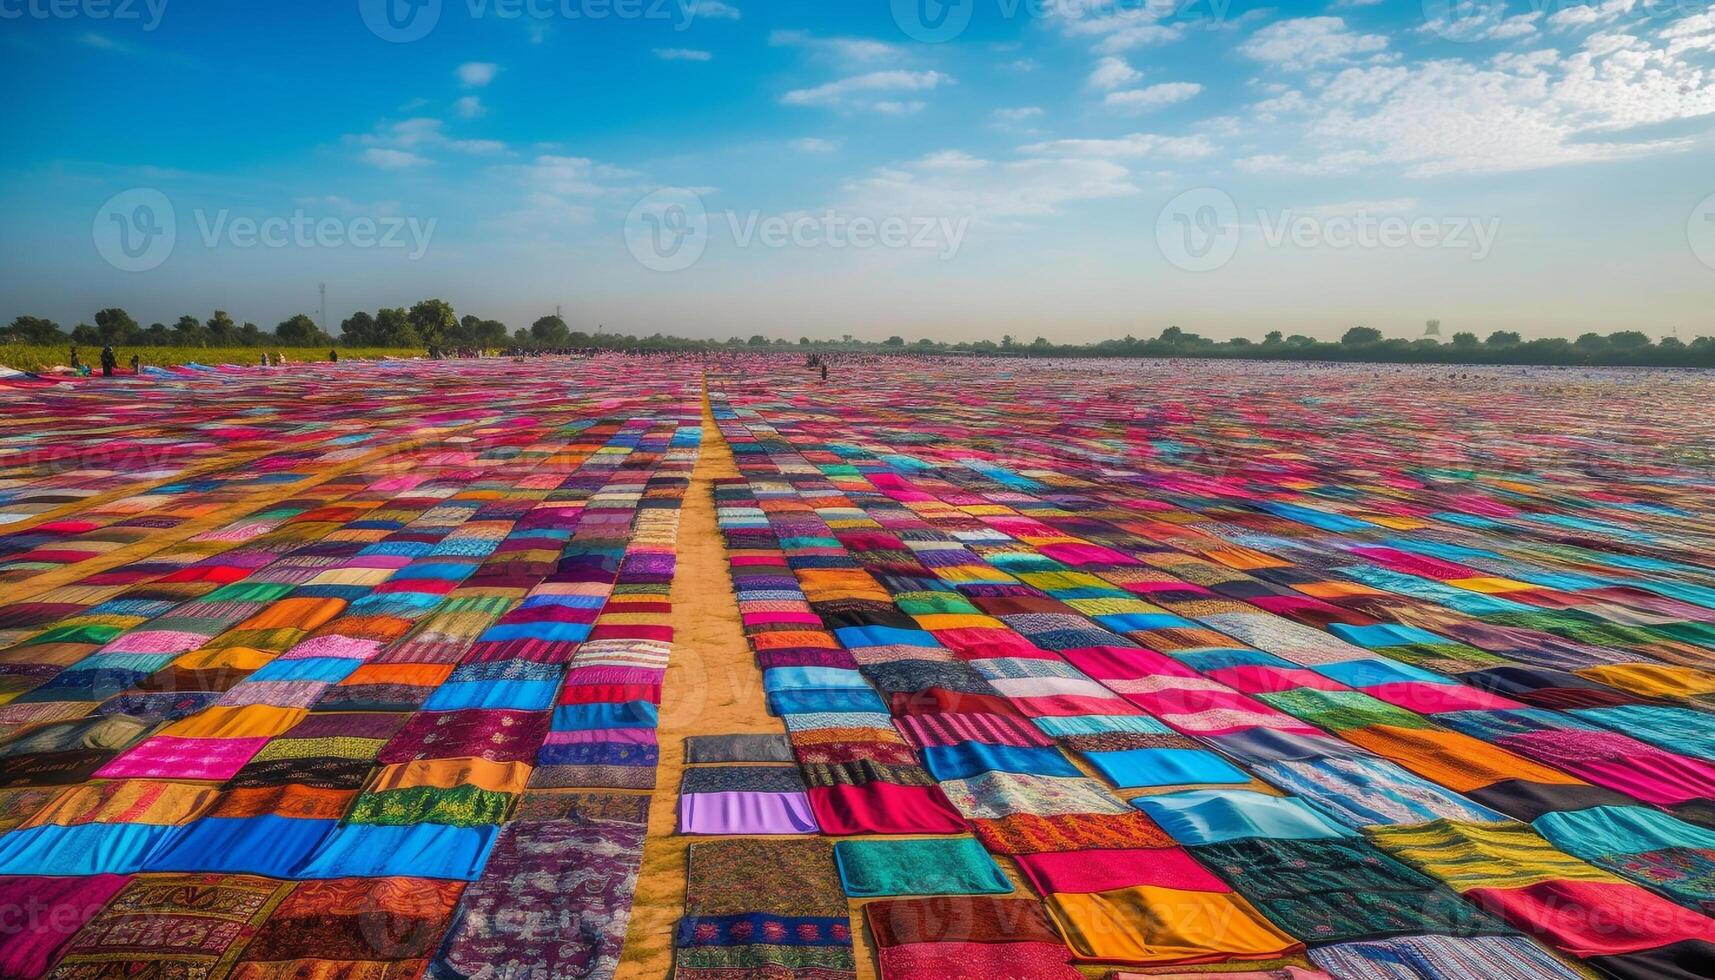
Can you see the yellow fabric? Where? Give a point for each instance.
(496, 777)
(1165, 925)
(148, 801)
(1653, 679)
(234, 658)
(958, 621)
(1478, 855)
(1489, 585)
(247, 721)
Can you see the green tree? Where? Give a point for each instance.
(84, 333)
(157, 335)
(1629, 340)
(1465, 340)
(550, 331)
(1273, 338)
(32, 330)
(115, 326)
(222, 331)
(189, 332)
(1360, 336)
(393, 329)
(359, 330)
(895, 341)
(435, 322)
(758, 340)
(803, 341)
(250, 335)
(1503, 338)
(301, 331)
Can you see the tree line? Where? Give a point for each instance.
(434, 324)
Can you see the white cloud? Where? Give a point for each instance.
(564, 190)
(712, 10)
(476, 74)
(1137, 146)
(851, 52)
(1111, 73)
(813, 144)
(1514, 112)
(1308, 42)
(388, 159)
(1153, 97)
(682, 54)
(867, 91)
(415, 136)
(1113, 28)
(956, 185)
(470, 107)
(1017, 114)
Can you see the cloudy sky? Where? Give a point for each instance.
(956, 169)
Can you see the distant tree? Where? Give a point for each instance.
(222, 331)
(1465, 339)
(301, 331)
(157, 335)
(32, 330)
(1272, 338)
(1673, 344)
(478, 332)
(1299, 340)
(758, 340)
(359, 330)
(926, 342)
(251, 335)
(393, 329)
(803, 341)
(84, 333)
(1172, 335)
(189, 332)
(1360, 336)
(1503, 338)
(115, 326)
(894, 341)
(1591, 342)
(434, 321)
(1629, 340)
(550, 331)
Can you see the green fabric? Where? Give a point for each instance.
(1341, 710)
(955, 866)
(461, 806)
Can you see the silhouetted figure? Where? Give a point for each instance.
(108, 362)
(333, 357)
(76, 362)
(137, 364)
(824, 372)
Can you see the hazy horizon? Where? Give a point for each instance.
(1075, 169)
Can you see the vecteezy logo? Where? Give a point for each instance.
(400, 21)
(1198, 231)
(933, 21)
(1464, 21)
(1700, 231)
(135, 231)
(668, 230)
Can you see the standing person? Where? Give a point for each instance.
(137, 364)
(76, 364)
(824, 372)
(333, 356)
(108, 362)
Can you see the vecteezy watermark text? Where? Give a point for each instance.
(670, 229)
(938, 21)
(138, 230)
(403, 21)
(147, 12)
(1201, 230)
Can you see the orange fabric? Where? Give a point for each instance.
(415, 675)
(303, 614)
(496, 777)
(1456, 761)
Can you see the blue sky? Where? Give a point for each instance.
(1078, 169)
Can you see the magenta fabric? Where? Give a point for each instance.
(1085, 872)
(1430, 699)
(172, 757)
(42, 914)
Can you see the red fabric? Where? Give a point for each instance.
(1596, 918)
(610, 693)
(940, 701)
(976, 961)
(883, 808)
(1109, 870)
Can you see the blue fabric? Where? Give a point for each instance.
(1680, 729)
(807, 702)
(425, 850)
(565, 601)
(589, 717)
(330, 670)
(515, 695)
(1212, 816)
(89, 849)
(1164, 767)
(1385, 635)
(1370, 672)
(1605, 830)
(1370, 792)
(883, 636)
(811, 679)
(445, 571)
(1101, 725)
(547, 632)
(267, 845)
(968, 759)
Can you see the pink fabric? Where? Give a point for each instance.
(976, 961)
(1069, 705)
(1124, 663)
(1430, 699)
(1251, 679)
(42, 914)
(1621, 763)
(883, 808)
(1596, 918)
(172, 757)
(156, 641)
(1085, 872)
(629, 736)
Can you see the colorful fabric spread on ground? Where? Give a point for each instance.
(1294, 671)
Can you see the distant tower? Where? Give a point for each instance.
(1433, 329)
(324, 288)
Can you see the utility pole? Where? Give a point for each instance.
(324, 287)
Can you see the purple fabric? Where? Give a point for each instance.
(746, 813)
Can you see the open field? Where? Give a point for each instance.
(1043, 668)
(26, 357)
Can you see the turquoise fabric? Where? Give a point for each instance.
(1164, 767)
(1607, 830)
(942, 866)
(1210, 816)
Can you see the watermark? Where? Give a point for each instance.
(1201, 230)
(940, 21)
(138, 231)
(1700, 231)
(669, 231)
(1468, 21)
(404, 21)
(145, 12)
